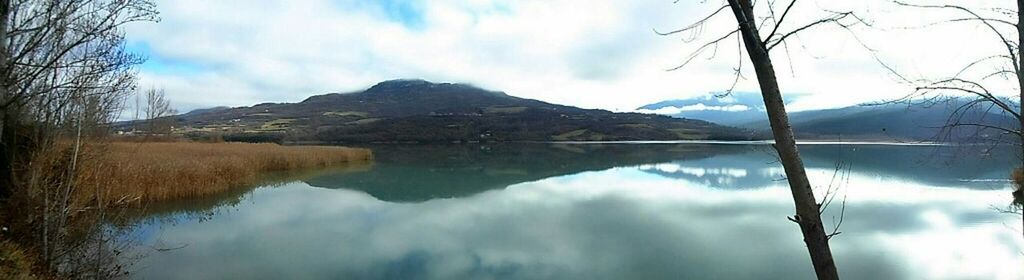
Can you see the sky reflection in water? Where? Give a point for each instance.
(600, 212)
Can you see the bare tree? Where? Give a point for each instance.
(157, 111)
(64, 75)
(748, 32)
(137, 107)
(54, 53)
(985, 80)
(986, 93)
(6, 168)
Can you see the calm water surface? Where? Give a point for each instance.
(613, 211)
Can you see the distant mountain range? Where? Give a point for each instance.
(910, 122)
(421, 111)
(735, 109)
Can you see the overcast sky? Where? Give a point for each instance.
(593, 54)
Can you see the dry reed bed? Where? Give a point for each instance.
(145, 172)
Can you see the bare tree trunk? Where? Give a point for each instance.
(1020, 77)
(6, 172)
(1020, 87)
(807, 208)
(6, 167)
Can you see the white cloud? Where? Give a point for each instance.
(672, 110)
(596, 54)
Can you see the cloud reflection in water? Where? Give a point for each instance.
(620, 223)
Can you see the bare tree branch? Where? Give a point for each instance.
(1008, 43)
(704, 47)
(779, 22)
(836, 19)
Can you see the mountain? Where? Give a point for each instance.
(206, 110)
(421, 111)
(913, 121)
(734, 109)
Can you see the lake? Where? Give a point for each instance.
(600, 211)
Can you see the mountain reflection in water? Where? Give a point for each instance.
(615, 211)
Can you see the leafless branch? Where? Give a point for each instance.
(694, 25)
(836, 19)
(779, 22)
(1008, 43)
(704, 47)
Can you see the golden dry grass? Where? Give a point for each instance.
(14, 262)
(144, 172)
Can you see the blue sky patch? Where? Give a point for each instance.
(407, 12)
(161, 65)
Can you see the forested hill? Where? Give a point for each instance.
(421, 111)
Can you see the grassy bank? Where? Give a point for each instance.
(14, 264)
(52, 224)
(145, 172)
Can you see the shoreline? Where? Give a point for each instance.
(759, 142)
(642, 142)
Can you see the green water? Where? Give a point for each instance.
(611, 211)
